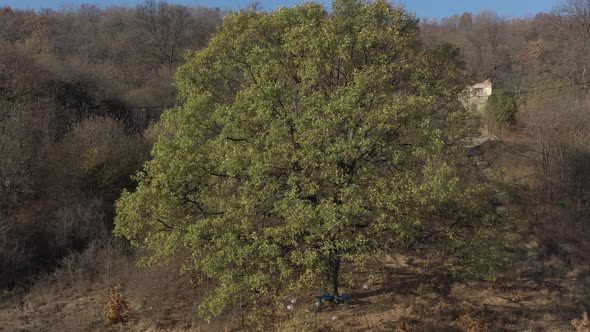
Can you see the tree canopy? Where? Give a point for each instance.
(306, 140)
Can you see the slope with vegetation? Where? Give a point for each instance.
(73, 85)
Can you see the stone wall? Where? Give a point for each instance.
(475, 97)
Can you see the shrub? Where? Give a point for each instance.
(117, 307)
(501, 108)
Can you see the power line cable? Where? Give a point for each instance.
(548, 89)
(150, 107)
(136, 107)
(513, 92)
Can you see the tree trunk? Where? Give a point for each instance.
(333, 263)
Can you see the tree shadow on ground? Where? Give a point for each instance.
(437, 302)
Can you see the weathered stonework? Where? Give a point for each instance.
(475, 97)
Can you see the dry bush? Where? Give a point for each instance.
(582, 325)
(80, 222)
(117, 306)
(165, 299)
(161, 298)
(563, 234)
(164, 296)
(105, 261)
(559, 127)
(99, 155)
(79, 281)
(14, 256)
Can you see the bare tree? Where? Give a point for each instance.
(466, 21)
(166, 28)
(567, 31)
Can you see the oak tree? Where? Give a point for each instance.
(307, 140)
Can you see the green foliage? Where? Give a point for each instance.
(502, 108)
(306, 140)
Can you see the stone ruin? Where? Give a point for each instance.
(476, 96)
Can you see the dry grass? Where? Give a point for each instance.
(582, 325)
(405, 296)
(535, 295)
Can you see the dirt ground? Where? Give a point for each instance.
(533, 296)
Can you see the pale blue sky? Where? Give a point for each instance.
(422, 8)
